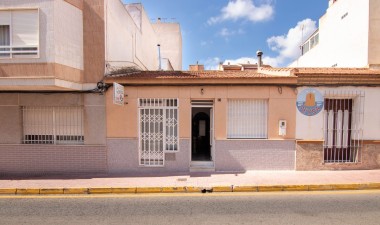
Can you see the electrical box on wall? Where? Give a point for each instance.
(282, 127)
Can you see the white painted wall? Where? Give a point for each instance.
(311, 128)
(170, 38)
(341, 41)
(68, 35)
(130, 38)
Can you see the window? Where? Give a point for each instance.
(247, 118)
(314, 41)
(53, 125)
(158, 130)
(305, 48)
(19, 35)
(343, 133)
(311, 43)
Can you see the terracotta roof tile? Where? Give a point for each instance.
(354, 71)
(209, 74)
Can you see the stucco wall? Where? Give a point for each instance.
(10, 119)
(93, 40)
(130, 41)
(170, 38)
(310, 157)
(374, 32)
(68, 35)
(122, 120)
(311, 128)
(346, 38)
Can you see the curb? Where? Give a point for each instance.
(224, 189)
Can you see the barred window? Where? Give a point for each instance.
(343, 126)
(53, 125)
(158, 130)
(247, 118)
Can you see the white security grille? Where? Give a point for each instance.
(247, 118)
(52, 125)
(158, 130)
(343, 126)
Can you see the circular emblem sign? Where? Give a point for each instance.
(310, 102)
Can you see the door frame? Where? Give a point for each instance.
(212, 129)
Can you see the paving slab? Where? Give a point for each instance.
(250, 180)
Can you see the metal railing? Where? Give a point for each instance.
(18, 51)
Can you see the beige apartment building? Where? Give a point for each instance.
(54, 55)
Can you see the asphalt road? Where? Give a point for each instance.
(359, 208)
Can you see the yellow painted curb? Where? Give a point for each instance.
(148, 190)
(8, 191)
(193, 189)
(320, 187)
(75, 191)
(245, 189)
(295, 188)
(173, 189)
(28, 191)
(100, 190)
(270, 188)
(51, 191)
(128, 190)
(222, 189)
(346, 186)
(372, 186)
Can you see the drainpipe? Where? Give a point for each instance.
(159, 57)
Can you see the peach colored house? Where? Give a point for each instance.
(202, 121)
(247, 119)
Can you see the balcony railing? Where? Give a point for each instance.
(8, 52)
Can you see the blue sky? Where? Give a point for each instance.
(232, 31)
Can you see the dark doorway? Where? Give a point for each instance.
(200, 145)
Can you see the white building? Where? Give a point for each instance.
(348, 36)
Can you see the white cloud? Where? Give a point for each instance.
(252, 60)
(225, 32)
(288, 45)
(244, 9)
(212, 63)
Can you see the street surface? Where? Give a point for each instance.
(343, 207)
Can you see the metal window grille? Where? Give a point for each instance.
(158, 130)
(248, 118)
(53, 125)
(343, 126)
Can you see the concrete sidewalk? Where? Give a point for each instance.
(194, 182)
